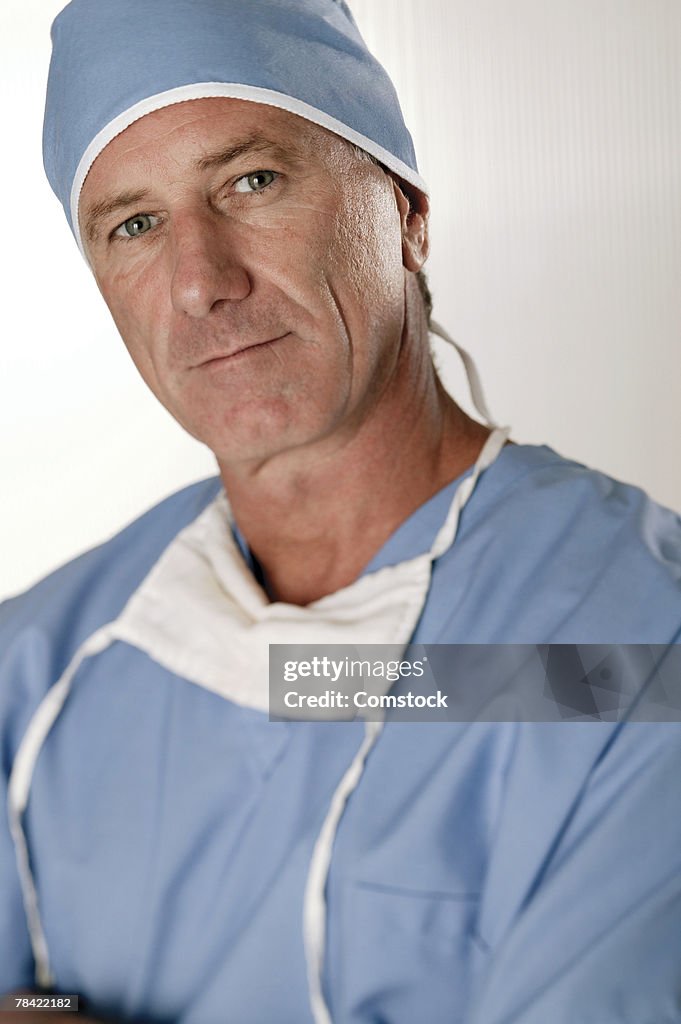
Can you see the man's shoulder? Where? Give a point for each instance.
(560, 504)
(558, 551)
(589, 496)
(70, 604)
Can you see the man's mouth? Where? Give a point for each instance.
(242, 350)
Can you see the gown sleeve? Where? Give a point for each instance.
(21, 675)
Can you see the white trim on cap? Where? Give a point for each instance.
(206, 90)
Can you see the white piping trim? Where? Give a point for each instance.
(314, 906)
(491, 448)
(206, 90)
(18, 791)
(474, 381)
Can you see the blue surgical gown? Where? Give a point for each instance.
(484, 873)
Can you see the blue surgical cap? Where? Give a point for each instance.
(113, 61)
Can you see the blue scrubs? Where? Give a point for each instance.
(482, 873)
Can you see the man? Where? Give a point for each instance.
(174, 855)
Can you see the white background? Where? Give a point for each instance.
(550, 134)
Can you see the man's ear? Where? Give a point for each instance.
(413, 210)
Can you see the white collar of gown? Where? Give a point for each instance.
(201, 614)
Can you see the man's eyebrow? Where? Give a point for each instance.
(105, 207)
(251, 144)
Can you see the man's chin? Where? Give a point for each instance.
(253, 428)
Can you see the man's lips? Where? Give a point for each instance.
(223, 357)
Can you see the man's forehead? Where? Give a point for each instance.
(195, 126)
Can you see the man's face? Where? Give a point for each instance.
(253, 266)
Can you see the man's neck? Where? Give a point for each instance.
(314, 518)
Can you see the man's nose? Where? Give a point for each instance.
(206, 266)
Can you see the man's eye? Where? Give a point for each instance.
(137, 225)
(255, 182)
